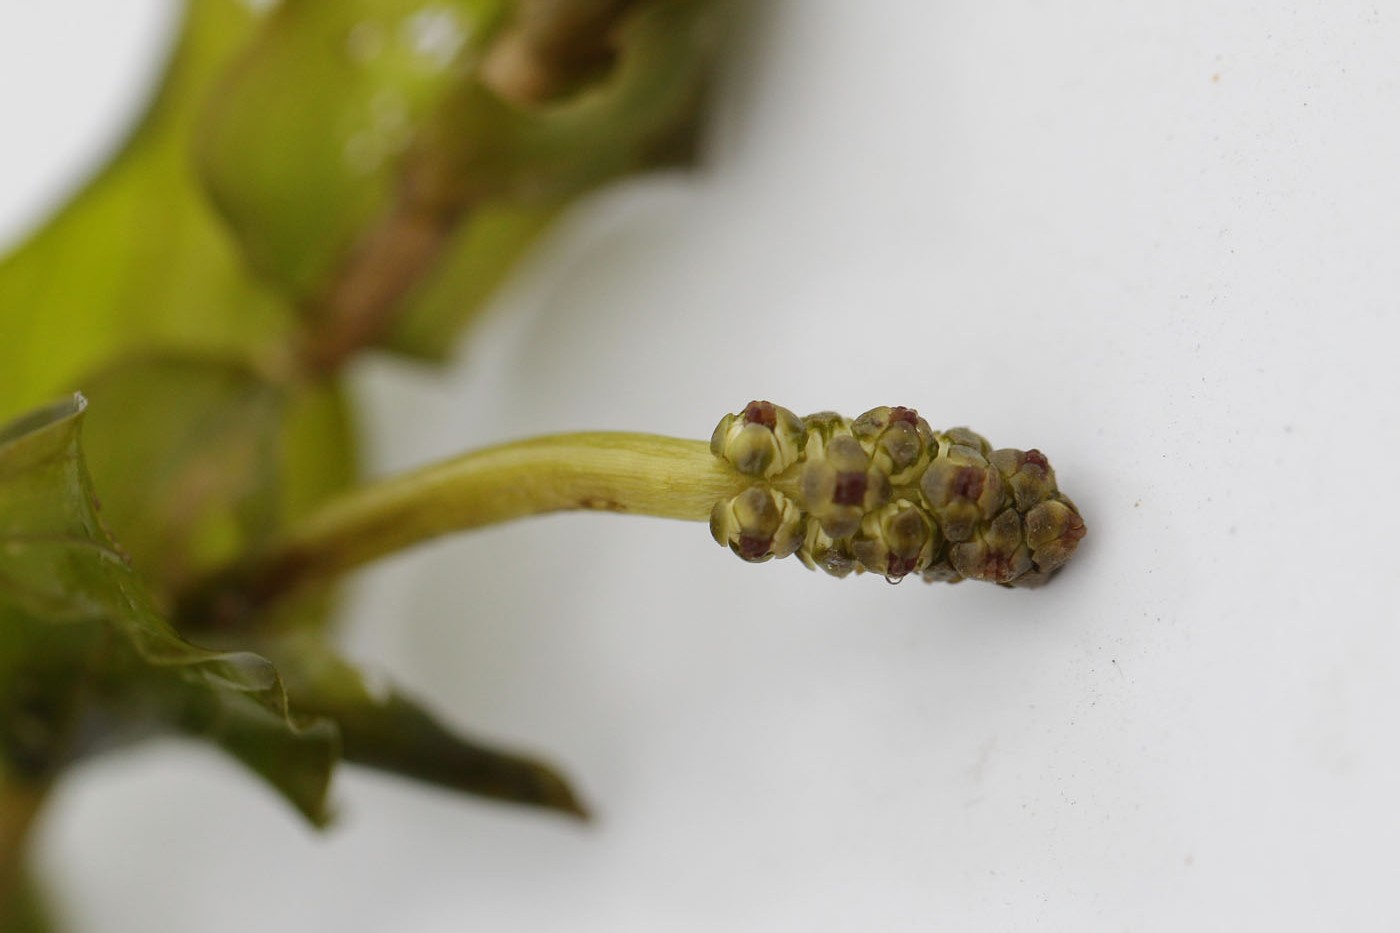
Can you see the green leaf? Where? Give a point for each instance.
(138, 259)
(386, 730)
(201, 458)
(135, 293)
(300, 147)
(640, 115)
(362, 155)
(184, 451)
(81, 641)
(80, 638)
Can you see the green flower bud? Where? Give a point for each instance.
(941, 571)
(1028, 474)
(758, 524)
(1053, 530)
(824, 425)
(896, 540)
(840, 485)
(965, 437)
(897, 439)
(997, 555)
(762, 440)
(960, 486)
(820, 551)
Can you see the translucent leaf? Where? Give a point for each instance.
(138, 259)
(79, 637)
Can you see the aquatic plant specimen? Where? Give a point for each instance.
(882, 493)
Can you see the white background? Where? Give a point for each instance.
(1157, 241)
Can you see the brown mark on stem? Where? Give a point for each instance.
(601, 504)
(550, 46)
(362, 300)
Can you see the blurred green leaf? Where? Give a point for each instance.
(192, 481)
(79, 637)
(201, 458)
(25, 911)
(362, 156)
(136, 294)
(481, 254)
(138, 259)
(299, 148)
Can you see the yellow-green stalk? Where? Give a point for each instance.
(882, 493)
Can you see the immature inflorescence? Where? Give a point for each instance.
(886, 493)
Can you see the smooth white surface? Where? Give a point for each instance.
(1157, 241)
(74, 74)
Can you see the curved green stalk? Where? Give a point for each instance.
(616, 472)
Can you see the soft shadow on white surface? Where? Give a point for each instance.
(1157, 243)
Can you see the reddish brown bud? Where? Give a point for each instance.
(850, 489)
(762, 413)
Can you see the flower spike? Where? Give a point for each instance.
(887, 494)
(883, 493)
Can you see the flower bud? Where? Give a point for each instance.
(840, 485)
(1028, 475)
(1053, 530)
(960, 486)
(820, 551)
(758, 524)
(762, 440)
(997, 555)
(897, 540)
(897, 439)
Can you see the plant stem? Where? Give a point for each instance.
(615, 472)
